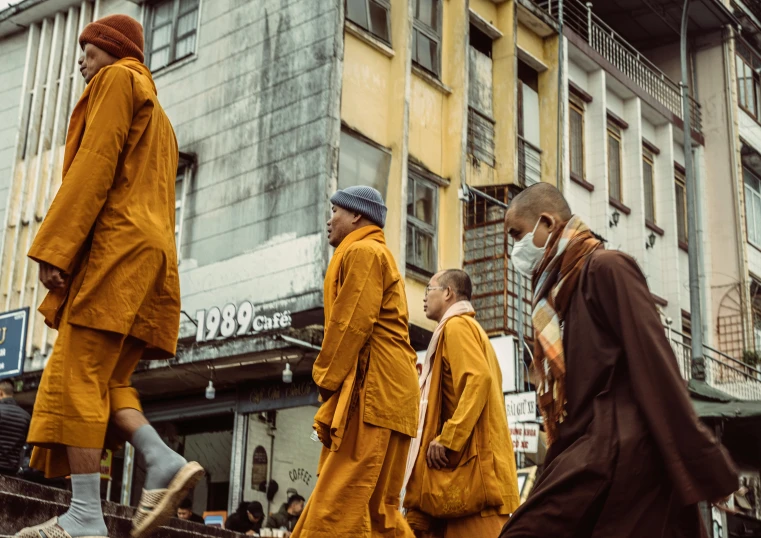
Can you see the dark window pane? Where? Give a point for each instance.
(424, 251)
(161, 36)
(577, 143)
(360, 163)
(614, 167)
(379, 21)
(356, 12)
(187, 23)
(163, 12)
(426, 53)
(411, 197)
(741, 81)
(411, 245)
(681, 212)
(647, 169)
(424, 203)
(186, 5)
(427, 13)
(159, 59)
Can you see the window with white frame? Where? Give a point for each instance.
(752, 206)
(576, 137)
(171, 31)
(372, 15)
(362, 162)
(422, 222)
(426, 35)
(748, 68)
(614, 162)
(181, 188)
(648, 179)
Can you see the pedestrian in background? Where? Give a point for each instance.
(14, 426)
(461, 480)
(628, 456)
(247, 519)
(185, 511)
(288, 515)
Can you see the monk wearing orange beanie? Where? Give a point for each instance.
(113, 221)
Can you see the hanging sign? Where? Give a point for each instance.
(13, 328)
(521, 407)
(525, 437)
(240, 320)
(106, 464)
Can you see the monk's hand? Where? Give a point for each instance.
(437, 455)
(51, 277)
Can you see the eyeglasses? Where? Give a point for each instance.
(428, 289)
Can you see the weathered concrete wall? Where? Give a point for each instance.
(258, 106)
(13, 54)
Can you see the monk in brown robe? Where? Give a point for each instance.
(461, 467)
(628, 456)
(107, 255)
(367, 380)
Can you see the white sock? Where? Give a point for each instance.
(85, 516)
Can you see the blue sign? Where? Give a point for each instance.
(13, 326)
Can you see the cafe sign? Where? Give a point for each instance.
(13, 328)
(242, 320)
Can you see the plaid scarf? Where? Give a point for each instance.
(553, 285)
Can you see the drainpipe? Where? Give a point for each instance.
(561, 101)
(698, 362)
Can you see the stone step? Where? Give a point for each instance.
(23, 504)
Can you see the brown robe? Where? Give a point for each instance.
(631, 458)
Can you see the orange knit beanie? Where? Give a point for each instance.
(119, 35)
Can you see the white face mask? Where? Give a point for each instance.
(526, 255)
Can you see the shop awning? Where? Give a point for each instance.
(740, 420)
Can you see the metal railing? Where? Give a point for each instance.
(723, 372)
(622, 55)
(529, 163)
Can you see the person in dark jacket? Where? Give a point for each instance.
(14, 426)
(248, 519)
(185, 511)
(288, 515)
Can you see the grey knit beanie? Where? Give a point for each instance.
(366, 201)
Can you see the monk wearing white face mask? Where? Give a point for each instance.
(627, 456)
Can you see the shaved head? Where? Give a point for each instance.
(458, 281)
(540, 198)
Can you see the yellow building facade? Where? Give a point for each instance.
(437, 89)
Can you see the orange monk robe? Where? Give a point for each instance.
(369, 365)
(113, 217)
(468, 375)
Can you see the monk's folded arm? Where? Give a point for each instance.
(472, 381)
(354, 313)
(86, 183)
(694, 460)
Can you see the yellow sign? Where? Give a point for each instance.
(106, 464)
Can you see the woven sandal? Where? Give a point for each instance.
(49, 529)
(158, 506)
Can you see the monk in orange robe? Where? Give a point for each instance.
(107, 255)
(367, 381)
(461, 480)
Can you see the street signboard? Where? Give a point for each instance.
(13, 328)
(525, 437)
(521, 407)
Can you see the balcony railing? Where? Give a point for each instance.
(623, 56)
(722, 371)
(529, 163)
